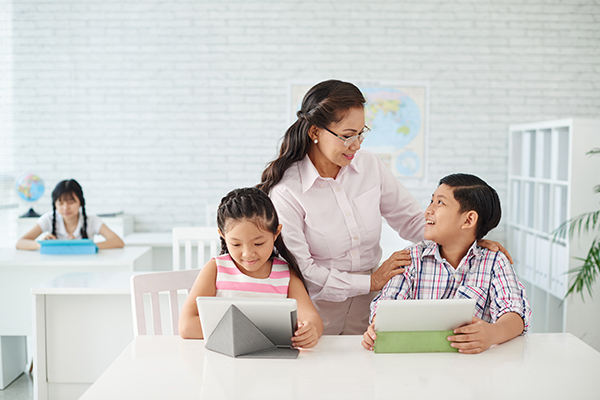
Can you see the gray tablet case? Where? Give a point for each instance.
(237, 336)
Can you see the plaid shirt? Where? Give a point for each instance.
(482, 275)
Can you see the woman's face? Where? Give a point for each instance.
(330, 154)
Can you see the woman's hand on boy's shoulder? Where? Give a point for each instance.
(306, 336)
(391, 267)
(494, 246)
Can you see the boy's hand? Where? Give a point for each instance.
(473, 338)
(391, 267)
(306, 336)
(369, 337)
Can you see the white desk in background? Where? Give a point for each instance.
(20, 270)
(162, 247)
(537, 366)
(82, 322)
(161, 244)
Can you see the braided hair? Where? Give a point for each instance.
(324, 104)
(252, 204)
(69, 187)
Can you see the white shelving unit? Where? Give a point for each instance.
(550, 179)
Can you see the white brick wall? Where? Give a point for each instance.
(159, 108)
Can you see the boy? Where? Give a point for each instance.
(449, 264)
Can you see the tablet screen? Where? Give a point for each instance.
(276, 318)
(423, 315)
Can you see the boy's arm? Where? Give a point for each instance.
(509, 310)
(480, 335)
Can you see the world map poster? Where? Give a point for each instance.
(396, 114)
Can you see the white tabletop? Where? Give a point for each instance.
(88, 283)
(537, 366)
(27, 258)
(20, 270)
(154, 239)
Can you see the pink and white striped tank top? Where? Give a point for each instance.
(231, 282)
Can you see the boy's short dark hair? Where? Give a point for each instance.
(473, 194)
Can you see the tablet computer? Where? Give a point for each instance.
(68, 246)
(423, 315)
(275, 318)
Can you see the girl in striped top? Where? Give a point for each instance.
(254, 262)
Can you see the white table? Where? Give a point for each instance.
(82, 321)
(20, 270)
(538, 366)
(161, 244)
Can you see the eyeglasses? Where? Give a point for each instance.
(349, 140)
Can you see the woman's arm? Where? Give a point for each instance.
(310, 325)
(27, 242)
(112, 239)
(205, 285)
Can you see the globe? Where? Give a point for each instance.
(30, 188)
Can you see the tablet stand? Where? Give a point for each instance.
(413, 342)
(236, 336)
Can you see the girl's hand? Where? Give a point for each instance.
(391, 267)
(306, 336)
(50, 237)
(369, 337)
(494, 246)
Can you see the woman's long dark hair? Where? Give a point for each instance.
(324, 104)
(73, 188)
(252, 204)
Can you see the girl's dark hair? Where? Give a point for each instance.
(252, 204)
(472, 193)
(69, 186)
(325, 103)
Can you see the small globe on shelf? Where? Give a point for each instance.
(30, 188)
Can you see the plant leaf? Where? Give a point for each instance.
(584, 222)
(586, 273)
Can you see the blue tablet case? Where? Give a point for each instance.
(75, 246)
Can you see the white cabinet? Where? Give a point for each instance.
(550, 180)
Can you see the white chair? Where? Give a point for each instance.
(194, 237)
(154, 284)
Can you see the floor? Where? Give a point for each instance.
(20, 389)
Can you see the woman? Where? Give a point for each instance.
(330, 198)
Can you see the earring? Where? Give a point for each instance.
(316, 141)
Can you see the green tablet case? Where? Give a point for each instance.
(413, 342)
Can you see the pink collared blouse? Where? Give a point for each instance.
(333, 226)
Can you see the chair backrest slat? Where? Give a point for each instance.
(202, 236)
(155, 283)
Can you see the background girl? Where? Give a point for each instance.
(69, 220)
(249, 267)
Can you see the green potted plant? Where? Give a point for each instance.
(584, 223)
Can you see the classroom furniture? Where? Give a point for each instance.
(121, 224)
(551, 180)
(153, 284)
(82, 322)
(21, 270)
(13, 357)
(161, 244)
(537, 366)
(194, 237)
